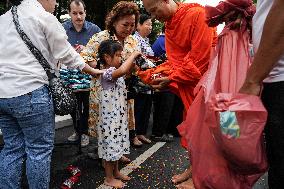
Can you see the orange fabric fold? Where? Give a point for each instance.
(188, 44)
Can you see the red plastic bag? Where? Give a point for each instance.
(245, 150)
(223, 128)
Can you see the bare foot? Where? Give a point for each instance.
(124, 159)
(182, 177)
(143, 139)
(186, 185)
(121, 176)
(114, 183)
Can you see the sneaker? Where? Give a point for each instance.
(74, 137)
(171, 136)
(85, 140)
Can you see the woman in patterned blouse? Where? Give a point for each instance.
(120, 24)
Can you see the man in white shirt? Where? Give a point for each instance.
(267, 70)
(27, 118)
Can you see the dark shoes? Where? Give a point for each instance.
(163, 138)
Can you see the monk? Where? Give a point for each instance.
(188, 45)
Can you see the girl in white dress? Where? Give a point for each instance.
(112, 130)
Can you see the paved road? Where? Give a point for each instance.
(152, 167)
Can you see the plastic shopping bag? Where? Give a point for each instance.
(223, 128)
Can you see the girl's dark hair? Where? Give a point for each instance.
(15, 2)
(143, 18)
(121, 9)
(107, 47)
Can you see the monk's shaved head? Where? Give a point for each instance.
(162, 10)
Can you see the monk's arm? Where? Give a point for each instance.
(271, 45)
(196, 61)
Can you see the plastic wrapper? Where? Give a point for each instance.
(75, 171)
(69, 183)
(75, 79)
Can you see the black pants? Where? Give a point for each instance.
(273, 99)
(142, 112)
(168, 111)
(83, 110)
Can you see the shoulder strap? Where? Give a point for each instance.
(29, 43)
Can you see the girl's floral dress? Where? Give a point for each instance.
(89, 54)
(112, 122)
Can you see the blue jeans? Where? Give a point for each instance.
(27, 123)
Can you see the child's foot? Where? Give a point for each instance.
(182, 177)
(121, 176)
(114, 183)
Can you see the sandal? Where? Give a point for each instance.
(136, 142)
(143, 139)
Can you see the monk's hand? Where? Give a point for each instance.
(251, 88)
(161, 83)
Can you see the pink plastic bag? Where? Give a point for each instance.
(244, 150)
(224, 128)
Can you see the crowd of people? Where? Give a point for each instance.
(116, 104)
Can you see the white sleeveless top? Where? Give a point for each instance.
(263, 8)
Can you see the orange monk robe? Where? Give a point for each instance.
(188, 44)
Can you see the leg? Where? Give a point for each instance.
(74, 137)
(79, 108)
(110, 180)
(139, 112)
(142, 107)
(78, 129)
(85, 114)
(38, 128)
(117, 174)
(163, 104)
(131, 124)
(273, 99)
(176, 116)
(12, 155)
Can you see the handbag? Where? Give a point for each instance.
(64, 99)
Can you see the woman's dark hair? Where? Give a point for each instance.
(121, 9)
(107, 47)
(143, 18)
(15, 2)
